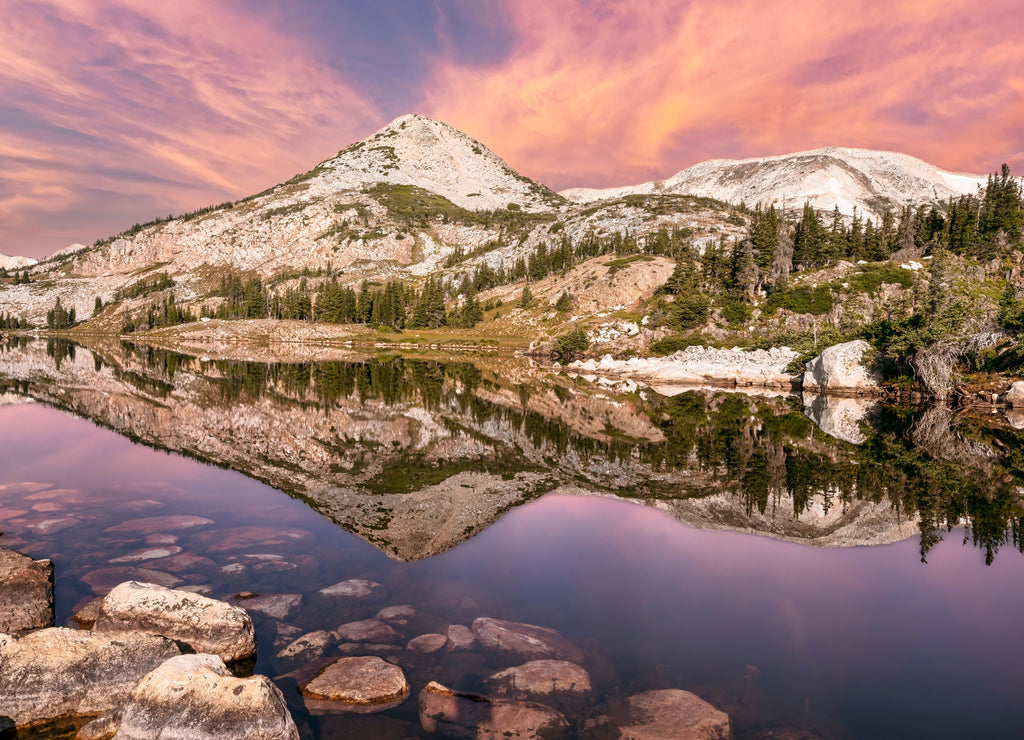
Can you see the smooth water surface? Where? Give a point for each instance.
(848, 642)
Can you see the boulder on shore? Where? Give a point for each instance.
(453, 714)
(841, 369)
(1014, 397)
(58, 672)
(197, 697)
(26, 592)
(523, 641)
(206, 625)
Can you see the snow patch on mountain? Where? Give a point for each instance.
(862, 179)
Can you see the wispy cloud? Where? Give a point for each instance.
(127, 109)
(604, 92)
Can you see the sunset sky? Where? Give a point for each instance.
(117, 111)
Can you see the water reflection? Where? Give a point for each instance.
(417, 454)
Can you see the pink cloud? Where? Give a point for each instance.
(603, 93)
(163, 106)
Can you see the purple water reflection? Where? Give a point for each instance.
(863, 642)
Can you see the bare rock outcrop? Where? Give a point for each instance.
(26, 592)
(197, 697)
(841, 369)
(453, 714)
(60, 673)
(206, 625)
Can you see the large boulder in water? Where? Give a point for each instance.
(524, 641)
(452, 714)
(197, 697)
(672, 714)
(26, 592)
(205, 625)
(541, 680)
(59, 673)
(841, 369)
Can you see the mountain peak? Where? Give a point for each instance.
(416, 150)
(864, 180)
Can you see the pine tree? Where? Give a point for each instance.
(526, 299)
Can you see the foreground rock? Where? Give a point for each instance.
(57, 673)
(26, 592)
(841, 369)
(672, 714)
(358, 684)
(541, 679)
(524, 641)
(205, 625)
(452, 714)
(197, 697)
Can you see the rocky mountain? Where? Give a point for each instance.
(865, 180)
(15, 263)
(404, 203)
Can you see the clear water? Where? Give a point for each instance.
(844, 642)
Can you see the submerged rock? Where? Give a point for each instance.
(275, 606)
(428, 643)
(197, 697)
(26, 592)
(104, 579)
(397, 615)
(540, 679)
(206, 625)
(355, 589)
(367, 630)
(524, 641)
(360, 684)
(672, 714)
(308, 647)
(460, 638)
(453, 714)
(59, 672)
(840, 368)
(160, 524)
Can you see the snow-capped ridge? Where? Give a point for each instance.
(8, 262)
(863, 179)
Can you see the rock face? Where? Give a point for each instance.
(59, 672)
(26, 592)
(205, 625)
(359, 684)
(540, 679)
(672, 714)
(524, 641)
(452, 714)
(837, 416)
(840, 369)
(197, 697)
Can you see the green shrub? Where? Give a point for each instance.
(802, 299)
(575, 342)
(737, 312)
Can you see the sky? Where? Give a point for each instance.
(114, 112)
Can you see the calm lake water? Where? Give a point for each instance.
(467, 489)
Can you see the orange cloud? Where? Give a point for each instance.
(126, 109)
(602, 93)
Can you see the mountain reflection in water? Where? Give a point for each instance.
(416, 454)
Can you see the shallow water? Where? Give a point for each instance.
(864, 641)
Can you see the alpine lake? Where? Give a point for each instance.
(815, 568)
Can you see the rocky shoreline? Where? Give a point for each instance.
(151, 661)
